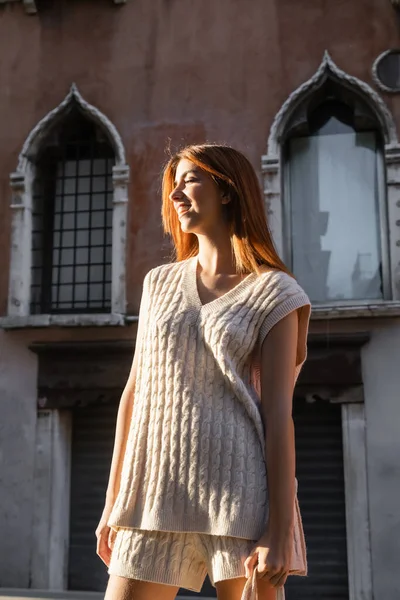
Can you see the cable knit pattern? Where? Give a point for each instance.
(195, 456)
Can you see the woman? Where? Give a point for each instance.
(206, 411)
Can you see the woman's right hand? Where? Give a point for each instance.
(105, 536)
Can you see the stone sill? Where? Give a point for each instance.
(354, 311)
(85, 320)
(31, 8)
(319, 313)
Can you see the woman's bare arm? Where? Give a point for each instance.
(123, 422)
(105, 535)
(278, 361)
(273, 551)
(121, 434)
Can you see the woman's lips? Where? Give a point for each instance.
(182, 211)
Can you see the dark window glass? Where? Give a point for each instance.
(333, 180)
(72, 206)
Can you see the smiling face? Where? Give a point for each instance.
(197, 199)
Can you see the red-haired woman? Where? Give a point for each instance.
(203, 471)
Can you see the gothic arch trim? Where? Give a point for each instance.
(38, 133)
(328, 69)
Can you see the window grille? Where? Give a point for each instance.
(72, 221)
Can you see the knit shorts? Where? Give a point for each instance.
(179, 559)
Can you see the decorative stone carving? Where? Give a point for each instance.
(39, 132)
(17, 183)
(120, 176)
(375, 77)
(328, 69)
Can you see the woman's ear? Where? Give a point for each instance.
(225, 198)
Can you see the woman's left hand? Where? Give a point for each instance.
(271, 555)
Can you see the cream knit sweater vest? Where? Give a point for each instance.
(195, 456)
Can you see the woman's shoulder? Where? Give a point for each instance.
(278, 278)
(161, 272)
(267, 272)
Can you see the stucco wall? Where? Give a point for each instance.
(179, 71)
(381, 374)
(17, 445)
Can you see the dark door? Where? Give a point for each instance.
(92, 444)
(319, 452)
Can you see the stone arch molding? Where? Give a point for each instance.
(271, 162)
(328, 69)
(39, 132)
(21, 220)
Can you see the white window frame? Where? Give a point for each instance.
(18, 314)
(273, 184)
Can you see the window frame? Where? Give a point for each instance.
(272, 177)
(18, 310)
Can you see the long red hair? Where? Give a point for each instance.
(251, 239)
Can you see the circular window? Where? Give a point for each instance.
(386, 71)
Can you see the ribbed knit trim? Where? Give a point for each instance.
(282, 310)
(224, 526)
(298, 301)
(190, 283)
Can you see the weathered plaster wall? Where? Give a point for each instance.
(381, 374)
(17, 453)
(167, 71)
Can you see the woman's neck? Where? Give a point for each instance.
(215, 256)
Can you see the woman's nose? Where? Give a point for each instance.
(176, 194)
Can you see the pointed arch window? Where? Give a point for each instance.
(335, 225)
(72, 220)
(69, 206)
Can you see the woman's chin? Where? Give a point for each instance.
(186, 228)
(186, 225)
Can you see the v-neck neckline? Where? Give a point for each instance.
(190, 282)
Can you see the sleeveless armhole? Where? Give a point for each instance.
(301, 303)
(143, 310)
